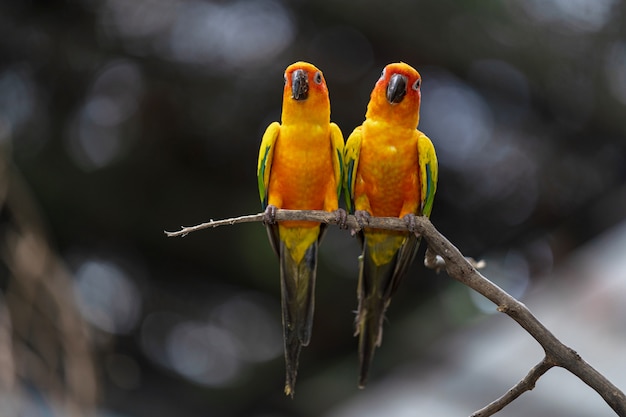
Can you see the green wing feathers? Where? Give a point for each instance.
(337, 147)
(351, 163)
(264, 165)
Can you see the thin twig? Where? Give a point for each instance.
(462, 270)
(526, 384)
(184, 231)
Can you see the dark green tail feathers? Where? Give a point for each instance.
(377, 284)
(298, 302)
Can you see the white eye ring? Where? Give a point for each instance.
(317, 77)
(285, 77)
(416, 85)
(382, 74)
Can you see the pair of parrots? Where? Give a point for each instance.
(387, 168)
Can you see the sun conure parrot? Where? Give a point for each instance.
(390, 171)
(300, 166)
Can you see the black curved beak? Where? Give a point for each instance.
(299, 85)
(396, 89)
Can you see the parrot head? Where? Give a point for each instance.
(397, 95)
(305, 95)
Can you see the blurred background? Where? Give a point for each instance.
(120, 119)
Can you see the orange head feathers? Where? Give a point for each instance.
(396, 96)
(305, 96)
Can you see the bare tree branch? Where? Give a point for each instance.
(462, 270)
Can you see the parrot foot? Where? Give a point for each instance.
(411, 222)
(269, 216)
(362, 217)
(342, 218)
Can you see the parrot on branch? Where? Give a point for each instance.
(390, 171)
(300, 166)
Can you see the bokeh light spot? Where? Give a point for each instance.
(106, 296)
(137, 19)
(257, 333)
(204, 353)
(237, 333)
(575, 15)
(97, 132)
(228, 36)
(457, 116)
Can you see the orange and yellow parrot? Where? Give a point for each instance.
(300, 166)
(390, 171)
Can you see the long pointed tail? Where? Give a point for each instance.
(370, 331)
(373, 301)
(298, 302)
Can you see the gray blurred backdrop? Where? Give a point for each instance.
(120, 119)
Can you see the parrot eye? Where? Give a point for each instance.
(285, 77)
(416, 84)
(317, 77)
(382, 74)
